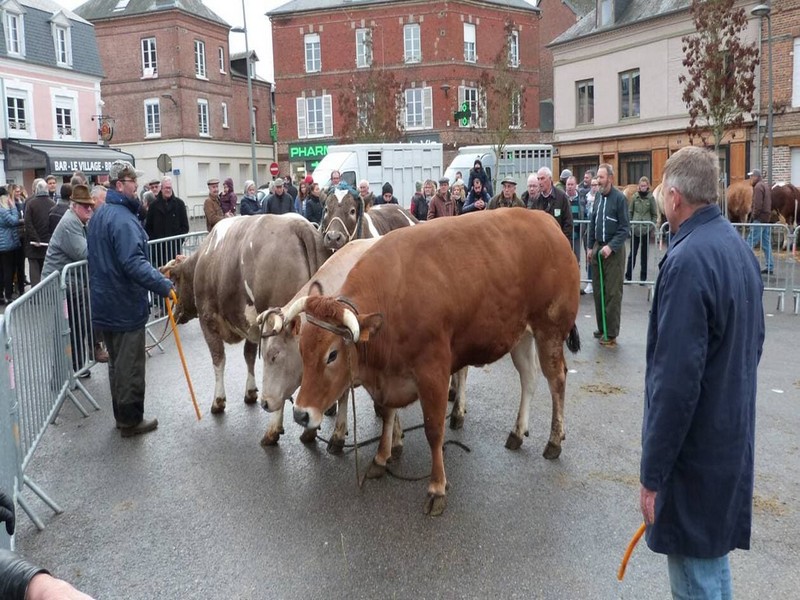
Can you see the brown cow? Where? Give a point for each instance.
(740, 201)
(786, 203)
(344, 219)
(417, 318)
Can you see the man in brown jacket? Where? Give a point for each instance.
(441, 203)
(212, 207)
(762, 207)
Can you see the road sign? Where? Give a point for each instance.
(164, 163)
(274, 170)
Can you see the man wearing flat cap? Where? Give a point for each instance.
(279, 202)
(212, 207)
(120, 277)
(507, 198)
(441, 204)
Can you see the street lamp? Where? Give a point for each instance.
(761, 11)
(252, 113)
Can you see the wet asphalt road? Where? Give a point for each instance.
(200, 510)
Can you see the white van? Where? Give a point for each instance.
(517, 161)
(402, 165)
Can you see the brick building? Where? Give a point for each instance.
(785, 16)
(173, 88)
(439, 54)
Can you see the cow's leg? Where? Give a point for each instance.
(251, 390)
(525, 362)
(274, 429)
(458, 385)
(217, 349)
(551, 357)
(378, 466)
(397, 437)
(336, 444)
(433, 398)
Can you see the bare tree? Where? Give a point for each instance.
(372, 111)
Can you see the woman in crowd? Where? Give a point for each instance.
(313, 211)
(457, 194)
(250, 204)
(227, 198)
(9, 243)
(18, 195)
(302, 196)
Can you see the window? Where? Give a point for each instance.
(313, 56)
(411, 43)
(149, 58)
(314, 117)
(629, 94)
(202, 117)
(796, 73)
(584, 102)
(225, 115)
(419, 108)
(121, 5)
(63, 44)
(152, 117)
(65, 117)
(476, 101)
(200, 59)
(515, 119)
(15, 32)
(365, 106)
(221, 59)
(632, 167)
(605, 13)
(469, 42)
(363, 48)
(15, 110)
(513, 49)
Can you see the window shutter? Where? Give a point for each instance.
(427, 107)
(301, 119)
(462, 94)
(327, 115)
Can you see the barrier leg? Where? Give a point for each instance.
(86, 395)
(31, 513)
(41, 493)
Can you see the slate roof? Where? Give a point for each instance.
(39, 44)
(295, 6)
(634, 12)
(97, 10)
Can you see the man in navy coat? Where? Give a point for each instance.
(704, 343)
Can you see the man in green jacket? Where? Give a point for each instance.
(643, 208)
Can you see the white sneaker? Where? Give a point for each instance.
(588, 289)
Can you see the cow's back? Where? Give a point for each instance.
(477, 279)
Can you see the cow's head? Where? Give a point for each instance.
(283, 366)
(328, 347)
(180, 271)
(341, 219)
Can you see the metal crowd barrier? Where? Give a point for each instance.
(161, 252)
(780, 280)
(795, 248)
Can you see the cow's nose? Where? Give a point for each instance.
(334, 238)
(301, 417)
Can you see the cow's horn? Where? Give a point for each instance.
(351, 322)
(274, 323)
(295, 309)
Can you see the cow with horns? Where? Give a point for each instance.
(406, 319)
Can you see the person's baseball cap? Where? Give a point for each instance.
(120, 169)
(279, 182)
(756, 172)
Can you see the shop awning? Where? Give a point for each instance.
(61, 158)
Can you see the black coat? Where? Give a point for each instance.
(279, 205)
(166, 218)
(313, 209)
(37, 225)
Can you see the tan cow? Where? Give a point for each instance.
(417, 317)
(740, 201)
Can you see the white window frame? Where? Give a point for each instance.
(62, 39)
(312, 52)
(225, 115)
(200, 60)
(634, 108)
(24, 96)
(65, 103)
(476, 98)
(412, 43)
(221, 53)
(795, 73)
(470, 43)
(363, 48)
(513, 49)
(365, 105)
(515, 118)
(149, 58)
(152, 118)
(311, 106)
(14, 21)
(589, 107)
(203, 118)
(418, 109)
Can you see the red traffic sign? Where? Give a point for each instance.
(273, 169)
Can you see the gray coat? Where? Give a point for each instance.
(67, 244)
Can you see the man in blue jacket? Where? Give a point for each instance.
(704, 343)
(120, 275)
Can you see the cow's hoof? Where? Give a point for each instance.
(456, 421)
(308, 436)
(218, 406)
(335, 446)
(331, 412)
(271, 438)
(514, 441)
(375, 471)
(251, 396)
(434, 505)
(397, 452)
(551, 451)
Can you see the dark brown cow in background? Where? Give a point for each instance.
(417, 317)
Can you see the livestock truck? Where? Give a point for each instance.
(516, 160)
(402, 165)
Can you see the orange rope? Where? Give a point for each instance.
(169, 301)
(629, 550)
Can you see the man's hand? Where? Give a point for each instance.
(46, 587)
(588, 255)
(647, 501)
(606, 251)
(7, 513)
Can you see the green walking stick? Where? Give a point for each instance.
(602, 293)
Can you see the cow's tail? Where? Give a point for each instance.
(574, 340)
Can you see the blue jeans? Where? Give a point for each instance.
(760, 235)
(699, 578)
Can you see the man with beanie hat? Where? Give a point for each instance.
(562, 181)
(388, 195)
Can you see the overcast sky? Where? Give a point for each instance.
(258, 28)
